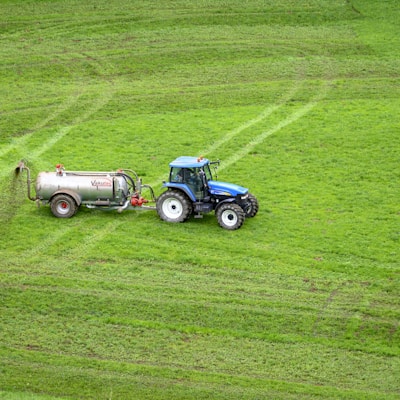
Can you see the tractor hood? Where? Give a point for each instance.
(226, 189)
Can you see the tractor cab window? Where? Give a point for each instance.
(178, 175)
(207, 171)
(189, 176)
(184, 175)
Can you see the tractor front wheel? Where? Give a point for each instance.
(252, 208)
(174, 206)
(230, 216)
(63, 206)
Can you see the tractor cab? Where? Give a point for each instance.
(192, 175)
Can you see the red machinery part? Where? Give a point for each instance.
(137, 201)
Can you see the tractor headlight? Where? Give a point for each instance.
(245, 196)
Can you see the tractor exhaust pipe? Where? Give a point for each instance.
(18, 170)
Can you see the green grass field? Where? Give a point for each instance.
(300, 100)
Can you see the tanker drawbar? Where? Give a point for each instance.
(66, 191)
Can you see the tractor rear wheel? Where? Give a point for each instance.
(252, 208)
(63, 206)
(230, 216)
(174, 206)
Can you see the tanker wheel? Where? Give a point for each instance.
(252, 208)
(230, 216)
(174, 206)
(63, 206)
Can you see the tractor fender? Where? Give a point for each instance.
(224, 201)
(183, 187)
(70, 193)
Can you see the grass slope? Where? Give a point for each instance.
(300, 100)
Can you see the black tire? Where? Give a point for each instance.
(63, 206)
(174, 206)
(230, 216)
(252, 207)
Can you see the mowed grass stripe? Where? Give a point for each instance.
(338, 313)
(108, 378)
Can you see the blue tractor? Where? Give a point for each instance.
(191, 190)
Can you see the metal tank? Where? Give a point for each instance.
(90, 187)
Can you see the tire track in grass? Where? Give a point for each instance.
(107, 94)
(282, 124)
(68, 254)
(259, 118)
(230, 135)
(42, 247)
(101, 102)
(79, 251)
(20, 143)
(33, 155)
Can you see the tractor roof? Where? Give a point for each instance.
(189, 162)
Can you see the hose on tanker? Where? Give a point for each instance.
(132, 182)
(128, 178)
